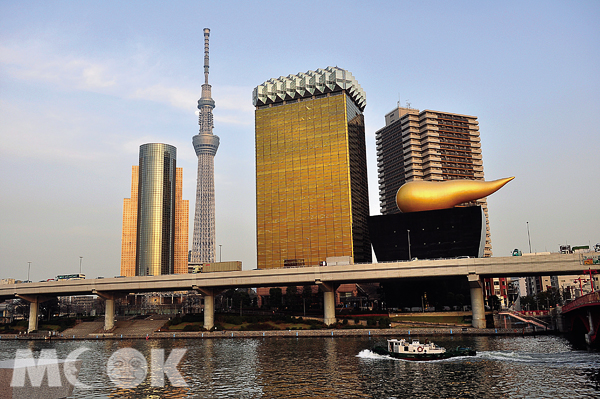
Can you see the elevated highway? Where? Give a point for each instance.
(328, 277)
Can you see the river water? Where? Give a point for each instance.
(339, 367)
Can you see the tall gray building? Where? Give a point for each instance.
(427, 145)
(205, 145)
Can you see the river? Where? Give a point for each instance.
(339, 367)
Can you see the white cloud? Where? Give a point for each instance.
(176, 97)
(33, 62)
(136, 76)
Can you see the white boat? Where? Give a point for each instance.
(415, 350)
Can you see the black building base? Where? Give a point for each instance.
(444, 233)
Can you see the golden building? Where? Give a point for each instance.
(311, 175)
(155, 218)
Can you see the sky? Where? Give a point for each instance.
(84, 83)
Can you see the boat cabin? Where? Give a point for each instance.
(402, 346)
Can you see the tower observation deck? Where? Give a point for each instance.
(206, 145)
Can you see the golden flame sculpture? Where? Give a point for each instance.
(419, 195)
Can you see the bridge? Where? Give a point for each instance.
(327, 277)
(582, 317)
(525, 319)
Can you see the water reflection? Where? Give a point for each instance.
(510, 367)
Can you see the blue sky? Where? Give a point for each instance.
(83, 84)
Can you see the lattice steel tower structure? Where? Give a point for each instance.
(206, 145)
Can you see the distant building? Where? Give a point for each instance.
(155, 218)
(574, 286)
(537, 284)
(497, 286)
(427, 145)
(81, 304)
(311, 172)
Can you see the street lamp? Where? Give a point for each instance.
(80, 259)
(220, 253)
(409, 256)
(28, 270)
(528, 237)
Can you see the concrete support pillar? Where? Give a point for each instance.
(328, 302)
(33, 316)
(109, 307)
(477, 305)
(109, 314)
(34, 306)
(590, 334)
(209, 307)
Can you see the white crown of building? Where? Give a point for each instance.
(311, 83)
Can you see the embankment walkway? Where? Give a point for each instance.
(404, 332)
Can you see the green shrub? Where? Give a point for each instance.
(384, 322)
(192, 318)
(236, 320)
(259, 326)
(192, 327)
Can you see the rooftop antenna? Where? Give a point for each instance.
(408, 104)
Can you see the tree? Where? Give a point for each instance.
(528, 302)
(275, 296)
(307, 293)
(548, 298)
(494, 302)
(48, 308)
(236, 298)
(292, 298)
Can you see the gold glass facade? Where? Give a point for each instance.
(155, 218)
(182, 211)
(129, 236)
(311, 194)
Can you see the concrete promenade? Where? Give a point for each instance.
(375, 332)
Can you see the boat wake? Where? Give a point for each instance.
(368, 354)
(572, 359)
(577, 359)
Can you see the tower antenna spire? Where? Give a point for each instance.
(206, 36)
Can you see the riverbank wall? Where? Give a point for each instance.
(387, 332)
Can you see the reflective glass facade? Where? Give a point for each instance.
(312, 193)
(155, 219)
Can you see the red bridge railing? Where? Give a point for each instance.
(592, 298)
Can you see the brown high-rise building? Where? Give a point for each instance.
(311, 176)
(427, 145)
(155, 218)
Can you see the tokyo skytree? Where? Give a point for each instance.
(205, 145)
